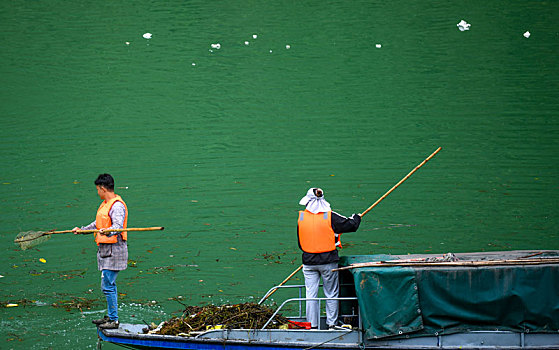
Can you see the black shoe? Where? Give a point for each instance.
(101, 320)
(109, 325)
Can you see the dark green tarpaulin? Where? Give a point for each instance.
(399, 301)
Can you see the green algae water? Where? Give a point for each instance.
(218, 124)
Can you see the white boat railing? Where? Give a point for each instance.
(300, 287)
(300, 300)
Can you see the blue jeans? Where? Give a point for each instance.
(108, 286)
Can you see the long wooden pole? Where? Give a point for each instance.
(282, 283)
(158, 228)
(33, 235)
(400, 182)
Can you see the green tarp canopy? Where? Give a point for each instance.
(418, 301)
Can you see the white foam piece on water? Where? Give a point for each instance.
(463, 25)
(246, 43)
(94, 312)
(254, 36)
(527, 34)
(378, 46)
(147, 35)
(216, 46)
(287, 47)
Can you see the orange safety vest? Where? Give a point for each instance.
(103, 220)
(315, 232)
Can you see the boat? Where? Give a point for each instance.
(488, 300)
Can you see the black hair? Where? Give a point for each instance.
(105, 180)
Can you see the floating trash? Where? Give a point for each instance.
(43, 260)
(463, 25)
(12, 305)
(216, 46)
(378, 46)
(527, 34)
(201, 318)
(246, 43)
(147, 35)
(254, 36)
(193, 63)
(270, 51)
(127, 43)
(287, 47)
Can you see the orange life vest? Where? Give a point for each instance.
(315, 232)
(103, 220)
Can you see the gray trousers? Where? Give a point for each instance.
(331, 290)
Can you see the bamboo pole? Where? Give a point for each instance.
(281, 284)
(400, 182)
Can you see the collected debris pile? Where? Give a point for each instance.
(196, 319)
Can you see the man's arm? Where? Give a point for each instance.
(341, 224)
(117, 214)
(91, 226)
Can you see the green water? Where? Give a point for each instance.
(219, 146)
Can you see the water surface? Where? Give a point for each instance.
(219, 145)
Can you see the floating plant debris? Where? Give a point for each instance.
(238, 316)
(75, 303)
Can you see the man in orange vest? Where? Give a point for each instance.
(319, 230)
(112, 249)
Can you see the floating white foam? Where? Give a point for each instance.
(246, 43)
(147, 35)
(287, 47)
(527, 34)
(254, 36)
(216, 46)
(378, 46)
(463, 25)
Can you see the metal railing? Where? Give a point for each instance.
(300, 287)
(307, 299)
(300, 300)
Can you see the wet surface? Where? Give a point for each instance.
(219, 144)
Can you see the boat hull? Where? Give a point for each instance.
(131, 336)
